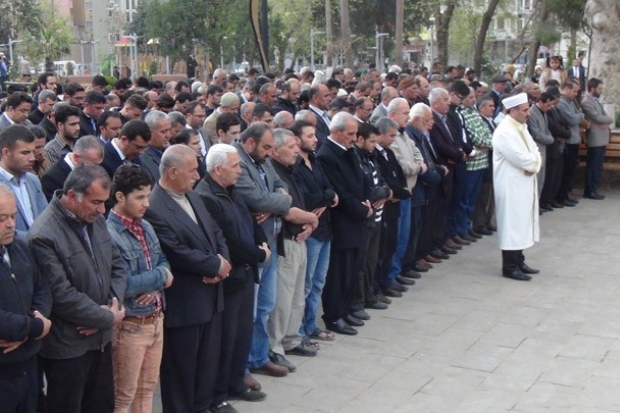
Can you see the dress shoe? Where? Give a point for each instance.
(422, 265)
(568, 203)
(341, 327)
(557, 205)
(516, 275)
(484, 231)
(492, 228)
(378, 305)
(411, 274)
(383, 299)
(398, 287)
(352, 321)
(271, 369)
(460, 240)
(451, 244)
(302, 350)
(440, 255)
(223, 407)
(405, 281)
(546, 208)
(390, 292)
(430, 259)
(468, 237)
(474, 234)
(250, 395)
(281, 361)
(448, 250)
(595, 196)
(361, 315)
(526, 269)
(251, 382)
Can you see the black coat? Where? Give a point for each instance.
(54, 178)
(346, 177)
(321, 130)
(150, 160)
(192, 252)
(448, 151)
(86, 126)
(111, 159)
(392, 173)
(242, 233)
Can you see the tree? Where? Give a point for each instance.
(443, 16)
(14, 16)
(345, 33)
(487, 17)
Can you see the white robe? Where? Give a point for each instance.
(516, 194)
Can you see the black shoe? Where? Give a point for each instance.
(448, 250)
(361, 315)
(302, 350)
(341, 327)
(250, 396)
(223, 407)
(352, 321)
(468, 237)
(516, 275)
(492, 228)
(546, 208)
(419, 269)
(390, 292)
(379, 304)
(281, 361)
(440, 255)
(568, 203)
(474, 234)
(526, 269)
(405, 281)
(411, 274)
(557, 205)
(595, 196)
(398, 287)
(383, 299)
(460, 240)
(484, 231)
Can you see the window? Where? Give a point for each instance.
(88, 5)
(500, 24)
(89, 24)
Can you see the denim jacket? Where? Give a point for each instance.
(139, 278)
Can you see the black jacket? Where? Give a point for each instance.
(111, 159)
(150, 160)
(429, 182)
(19, 297)
(49, 127)
(289, 229)
(54, 178)
(242, 233)
(392, 173)
(283, 104)
(322, 130)
(86, 125)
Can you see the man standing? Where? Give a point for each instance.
(191, 63)
(538, 126)
(25, 304)
(578, 72)
(159, 124)
(4, 71)
(72, 246)
(47, 98)
(229, 103)
(132, 142)
(319, 104)
(291, 89)
(109, 126)
(516, 161)
(67, 119)
(597, 137)
(387, 95)
(17, 145)
(17, 110)
(94, 103)
(197, 252)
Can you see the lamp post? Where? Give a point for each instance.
(312, 34)
(11, 43)
(379, 46)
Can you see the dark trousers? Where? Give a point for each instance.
(553, 180)
(442, 217)
(594, 169)
(237, 327)
(571, 159)
(387, 243)
(369, 258)
(341, 283)
(430, 225)
(19, 387)
(189, 366)
(484, 212)
(512, 260)
(82, 384)
(458, 192)
(471, 185)
(411, 256)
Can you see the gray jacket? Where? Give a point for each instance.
(599, 132)
(80, 282)
(573, 117)
(38, 202)
(539, 129)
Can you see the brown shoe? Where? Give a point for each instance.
(431, 259)
(251, 382)
(451, 244)
(422, 264)
(271, 369)
(460, 240)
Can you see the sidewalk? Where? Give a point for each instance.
(464, 339)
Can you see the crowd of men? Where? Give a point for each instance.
(191, 232)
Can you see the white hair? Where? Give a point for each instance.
(436, 94)
(153, 117)
(196, 86)
(174, 157)
(417, 111)
(218, 155)
(395, 104)
(340, 120)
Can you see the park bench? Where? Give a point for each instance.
(611, 166)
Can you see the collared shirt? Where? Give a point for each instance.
(18, 186)
(69, 162)
(120, 153)
(323, 114)
(135, 227)
(343, 148)
(56, 149)
(8, 119)
(480, 135)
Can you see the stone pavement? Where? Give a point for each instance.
(467, 340)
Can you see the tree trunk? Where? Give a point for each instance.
(329, 34)
(487, 17)
(542, 20)
(604, 19)
(345, 32)
(572, 48)
(442, 22)
(400, 16)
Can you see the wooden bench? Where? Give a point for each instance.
(611, 165)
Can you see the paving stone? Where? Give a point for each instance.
(587, 347)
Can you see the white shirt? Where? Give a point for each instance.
(343, 148)
(118, 150)
(321, 112)
(69, 161)
(18, 186)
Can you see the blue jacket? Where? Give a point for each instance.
(37, 201)
(139, 278)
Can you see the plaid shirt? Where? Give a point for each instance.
(136, 229)
(480, 135)
(56, 149)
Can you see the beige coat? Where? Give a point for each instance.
(409, 158)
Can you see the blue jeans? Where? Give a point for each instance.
(466, 203)
(594, 169)
(265, 303)
(404, 229)
(318, 262)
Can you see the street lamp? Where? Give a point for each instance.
(312, 34)
(379, 46)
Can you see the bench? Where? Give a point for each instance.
(611, 165)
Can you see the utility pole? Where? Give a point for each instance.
(400, 16)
